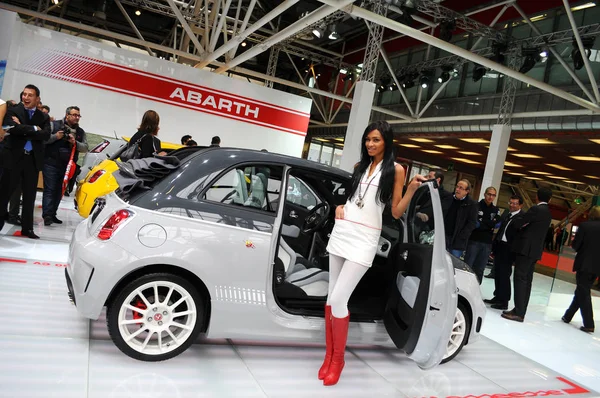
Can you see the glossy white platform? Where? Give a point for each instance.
(47, 350)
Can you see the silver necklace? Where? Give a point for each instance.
(360, 202)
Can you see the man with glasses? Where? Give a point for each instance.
(480, 241)
(460, 218)
(503, 256)
(66, 133)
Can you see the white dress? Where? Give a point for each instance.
(356, 236)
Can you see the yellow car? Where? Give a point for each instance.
(99, 181)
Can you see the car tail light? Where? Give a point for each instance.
(100, 147)
(113, 223)
(96, 175)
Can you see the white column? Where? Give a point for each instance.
(494, 165)
(360, 115)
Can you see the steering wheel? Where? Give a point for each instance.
(314, 219)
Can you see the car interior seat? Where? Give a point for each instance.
(298, 270)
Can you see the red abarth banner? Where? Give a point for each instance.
(101, 74)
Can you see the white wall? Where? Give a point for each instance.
(114, 87)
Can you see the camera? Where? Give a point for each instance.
(68, 132)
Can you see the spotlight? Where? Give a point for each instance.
(406, 16)
(412, 4)
(425, 79)
(588, 43)
(244, 44)
(498, 56)
(138, 12)
(447, 29)
(447, 73)
(408, 80)
(349, 76)
(56, 1)
(334, 35)
(478, 72)
(318, 31)
(544, 54)
(532, 57)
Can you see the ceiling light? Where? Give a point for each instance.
(511, 149)
(592, 177)
(596, 140)
(536, 141)
(138, 12)
(574, 182)
(465, 160)
(432, 151)
(586, 158)
(322, 139)
(318, 31)
(531, 56)
(447, 146)
(543, 173)
(339, 139)
(557, 177)
(244, 44)
(425, 79)
(448, 72)
(588, 43)
(526, 156)
(515, 174)
(510, 164)
(583, 6)
(475, 140)
(469, 153)
(334, 35)
(447, 29)
(478, 72)
(410, 146)
(56, 1)
(534, 178)
(421, 139)
(558, 166)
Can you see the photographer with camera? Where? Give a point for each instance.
(65, 134)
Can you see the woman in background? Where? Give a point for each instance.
(146, 136)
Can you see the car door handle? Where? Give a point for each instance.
(293, 214)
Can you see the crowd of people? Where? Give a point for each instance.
(32, 141)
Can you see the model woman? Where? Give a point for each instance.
(376, 182)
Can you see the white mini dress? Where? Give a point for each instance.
(356, 236)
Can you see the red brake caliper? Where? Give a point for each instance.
(139, 304)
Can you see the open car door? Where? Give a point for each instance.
(422, 299)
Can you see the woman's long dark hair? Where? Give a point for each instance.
(388, 169)
(150, 122)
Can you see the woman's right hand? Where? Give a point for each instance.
(339, 212)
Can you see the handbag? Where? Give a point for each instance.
(133, 151)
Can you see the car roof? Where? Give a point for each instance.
(243, 155)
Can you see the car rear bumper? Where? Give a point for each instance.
(94, 268)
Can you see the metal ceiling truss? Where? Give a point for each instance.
(373, 43)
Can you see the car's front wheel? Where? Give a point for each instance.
(155, 317)
(460, 331)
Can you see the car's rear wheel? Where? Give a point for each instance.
(155, 317)
(460, 332)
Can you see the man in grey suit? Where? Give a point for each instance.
(528, 246)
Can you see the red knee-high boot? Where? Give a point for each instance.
(328, 344)
(339, 327)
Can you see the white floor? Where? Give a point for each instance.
(47, 350)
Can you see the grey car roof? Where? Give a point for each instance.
(250, 155)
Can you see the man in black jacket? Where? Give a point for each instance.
(480, 241)
(23, 155)
(587, 268)
(460, 218)
(66, 134)
(528, 246)
(503, 256)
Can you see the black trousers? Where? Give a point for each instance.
(582, 300)
(23, 172)
(524, 267)
(503, 262)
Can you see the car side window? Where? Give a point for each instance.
(299, 193)
(252, 186)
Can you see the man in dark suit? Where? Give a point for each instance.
(528, 246)
(503, 257)
(23, 155)
(587, 267)
(460, 218)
